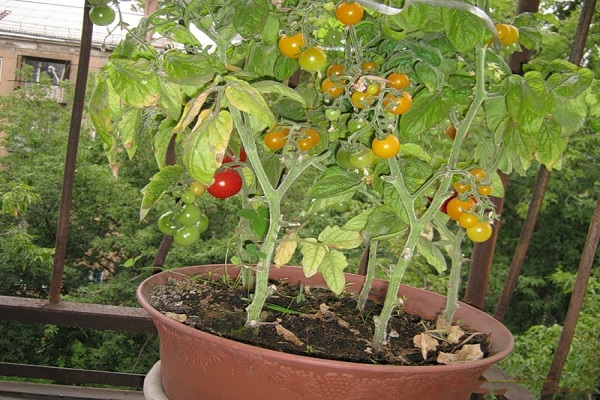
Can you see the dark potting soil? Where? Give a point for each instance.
(303, 320)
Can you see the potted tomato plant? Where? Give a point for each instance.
(407, 109)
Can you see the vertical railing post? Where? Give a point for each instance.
(62, 230)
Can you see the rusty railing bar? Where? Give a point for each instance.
(72, 375)
(543, 177)
(483, 253)
(584, 270)
(81, 315)
(550, 385)
(62, 229)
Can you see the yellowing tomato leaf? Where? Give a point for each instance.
(191, 69)
(273, 87)
(190, 112)
(136, 82)
(285, 251)
(158, 185)
(359, 222)
(204, 147)
(312, 255)
(161, 141)
(246, 98)
(336, 237)
(332, 268)
(100, 110)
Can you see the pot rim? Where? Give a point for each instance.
(496, 329)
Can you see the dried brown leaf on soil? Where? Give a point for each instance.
(288, 335)
(425, 342)
(469, 352)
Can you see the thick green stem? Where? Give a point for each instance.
(364, 293)
(418, 224)
(454, 278)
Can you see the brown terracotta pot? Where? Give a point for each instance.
(199, 366)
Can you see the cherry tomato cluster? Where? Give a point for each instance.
(459, 207)
(187, 224)
(304, 138)
(366, 89)
(508, 34)
(311, 59)
(100, 13)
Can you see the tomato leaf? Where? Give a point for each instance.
(273, 87)
(431, 77)
(414, 150)
(332, 268)
(358, 222)
(325, 202)
(427, 110)
(191, 69)
(550, 145)
(129, 131)
(334, 181)
(432, 254)
(261, 59)
(204, 148)
(526, 101)
(312, 255)
(383, 222)
(171, 99)
(246, 98)
(571, 115)
(463, 29)
(285, 250)
(135, 82)
(191, 111)
(161, 141)
(100, 110)
(158, 185)
(336, 237)
(250, 17)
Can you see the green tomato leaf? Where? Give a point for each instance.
(270, 32)
(566, 86)
(463, 29)
(273, 87)
(572, 115)
(427, 110)
(332, 268)
(312, 255)
(336, 237)
(359, 222)
(526, 101)
(550, 145)
(285, 67)
(325, 202)
(414, 150)
(250, 16)
(248, 213)
(431, 77)
(158, 185)
(136, 82)
(260, 226)
(178, 32)
(261, 59)
(191, 69)
(246, 98)
(495, 111)
(383, 222)
(334, 181)
(432, 254)
(204, 148)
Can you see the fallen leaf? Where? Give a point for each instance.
(288, 335)
(454, 334)
(468, 353)
(425, 342)
(176, 317)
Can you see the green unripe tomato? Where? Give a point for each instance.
(166, 223)
(189, 215)
(356, 124)
(202, 224)
(186, 236)
(363, 158)
(342, 157)
(188, 197)
(102, 15)
(332, 114)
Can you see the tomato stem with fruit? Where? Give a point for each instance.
(418, 224)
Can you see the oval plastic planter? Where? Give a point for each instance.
(199, 366)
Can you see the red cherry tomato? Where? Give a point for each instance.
(226, 184)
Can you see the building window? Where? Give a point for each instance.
(42, 68)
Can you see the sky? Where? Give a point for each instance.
(61, 19)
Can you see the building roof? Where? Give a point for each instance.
(60, 20)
